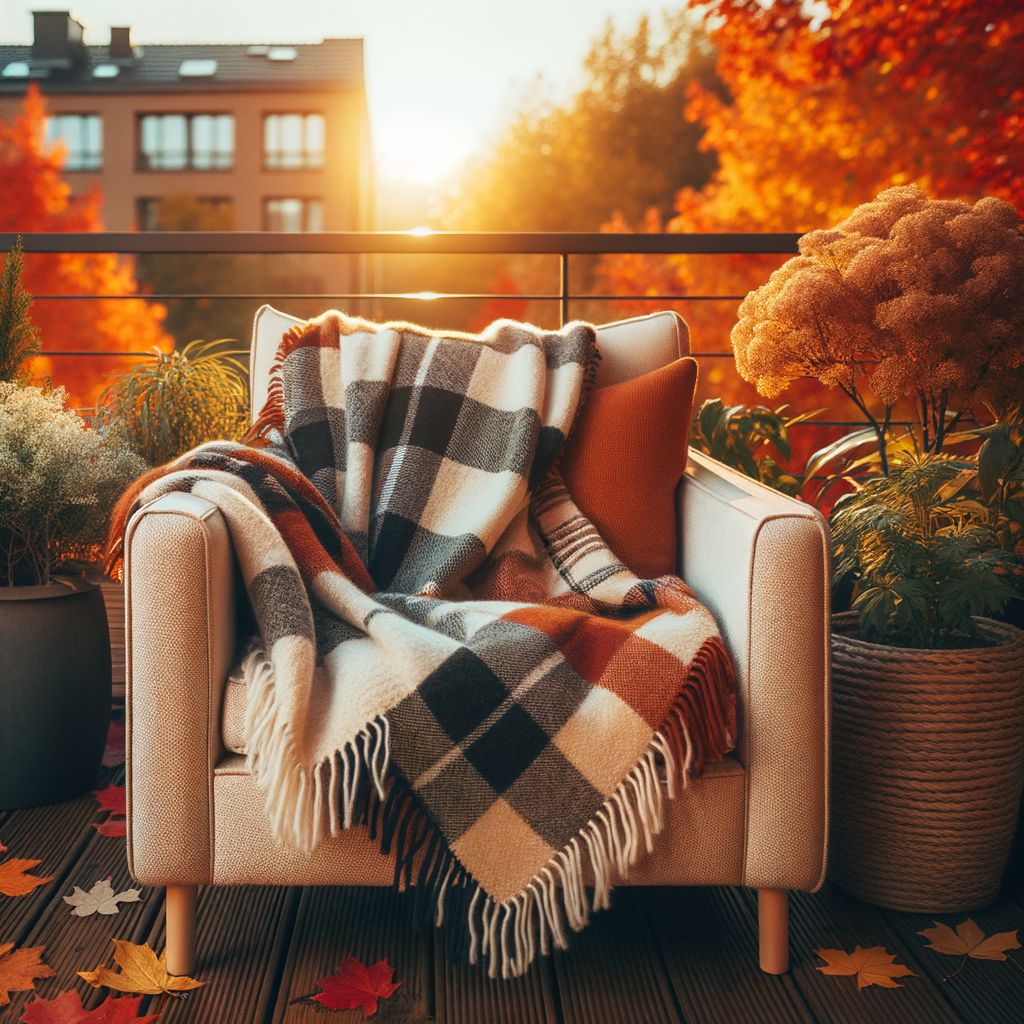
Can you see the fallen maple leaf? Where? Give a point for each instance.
(111, 827)
(355, 984)
(18, 967)
(141, 971)
(113, 752)
(871, 966)
(112, 799)
(14, 881)
(67, 1009)
(969, 941)
(100, 899)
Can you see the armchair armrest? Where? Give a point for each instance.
(761, 563)
(180, 638)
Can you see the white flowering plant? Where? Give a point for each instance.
(58, 484)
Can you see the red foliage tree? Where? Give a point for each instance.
(820, 118)
(35, 198)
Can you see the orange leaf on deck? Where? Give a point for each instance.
(870, 966)
(355, 984)
(969, 940)
(14, 881)
(67, 1009)
(18, 968)
(141, 971)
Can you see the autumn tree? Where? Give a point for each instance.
(35, 198)
(823, 114)
(621, 143)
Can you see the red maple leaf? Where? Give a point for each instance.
(112, 799)
(67, 1009)
(357, 985)
(113, 753)
(111, 827)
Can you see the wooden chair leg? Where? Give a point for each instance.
(773, 929)
(180, 910)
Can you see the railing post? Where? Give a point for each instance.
(563, 291)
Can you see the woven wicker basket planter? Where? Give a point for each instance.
(927, 768)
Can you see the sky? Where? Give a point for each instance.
(441, 74)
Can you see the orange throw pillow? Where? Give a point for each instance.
(624, 460)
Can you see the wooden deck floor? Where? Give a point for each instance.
(659, 955)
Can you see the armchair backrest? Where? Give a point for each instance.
(629, 348)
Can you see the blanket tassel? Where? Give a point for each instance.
(509, 935)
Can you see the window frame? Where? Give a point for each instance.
(54, 114)
(305, 201)
(305, 165)
(142, 160)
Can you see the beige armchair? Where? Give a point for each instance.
(757, 559)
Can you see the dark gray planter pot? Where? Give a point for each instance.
(55, 682)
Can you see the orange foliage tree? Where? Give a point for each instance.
(36, 199)
(822, 117)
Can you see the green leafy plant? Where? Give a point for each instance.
(165, 407)
(58, 484)
(741, 436)
(923, 555)
(19, 340)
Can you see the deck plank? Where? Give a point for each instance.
(985, 991)
(829, 919)
(465, 995)
(54, 835)
(709, 940)
(74, 943)
(370, 923)
(613, 972)
(244, 933)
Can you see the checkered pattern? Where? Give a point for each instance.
(417, 570)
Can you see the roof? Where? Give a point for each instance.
(334, 63)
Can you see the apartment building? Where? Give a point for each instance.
(277, 136)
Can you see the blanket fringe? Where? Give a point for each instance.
(296, 797)
(509, 934)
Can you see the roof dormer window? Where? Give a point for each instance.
(197, 68)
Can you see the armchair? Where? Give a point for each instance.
(757, 559)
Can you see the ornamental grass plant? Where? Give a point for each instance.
(169, 405)
(59, 481)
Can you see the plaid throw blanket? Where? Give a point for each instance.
(447, 649)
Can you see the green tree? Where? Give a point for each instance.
(19, 339)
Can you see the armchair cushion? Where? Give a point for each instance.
(625, 459)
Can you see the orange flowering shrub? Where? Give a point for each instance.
(908, 296)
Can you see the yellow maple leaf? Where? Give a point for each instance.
(871, 966)
(141, 972)
(14, 881)
(969, 940)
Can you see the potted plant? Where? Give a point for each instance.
(58, 483)
(921, 302)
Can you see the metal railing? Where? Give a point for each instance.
(563, 245)
(416, 242)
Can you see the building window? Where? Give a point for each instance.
(293, 214)
(185, 213)
(178, 142)
(293, 141)
(81, 135)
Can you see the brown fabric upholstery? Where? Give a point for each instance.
(623, 463)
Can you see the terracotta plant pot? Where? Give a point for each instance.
(55, 684)
(927, 768)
